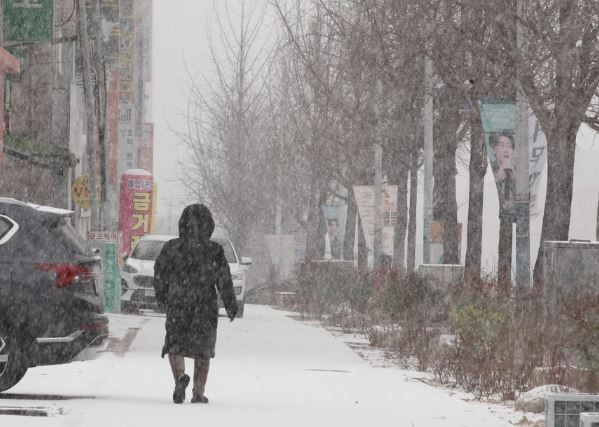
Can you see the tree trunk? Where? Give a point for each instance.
(477, 169)
(321, 229)
(399, 237)
(561, 148)
(362, 248)
(350, 226)
(412, 220)
(451, 250)
(504, 264)
(445, 205)
(312, 246)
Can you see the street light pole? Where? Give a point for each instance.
(428, 159)
(378, 166)
(522, 202)
(378, 217)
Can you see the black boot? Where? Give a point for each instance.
(199, 399)
(180, 386)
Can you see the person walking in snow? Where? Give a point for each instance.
(187, 274)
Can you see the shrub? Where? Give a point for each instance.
(413, 311)
(490, 352)
(581, 330)
(333, 290)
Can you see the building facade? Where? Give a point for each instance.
(45, 105)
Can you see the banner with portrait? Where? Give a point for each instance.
(499, 124)
(335, 217)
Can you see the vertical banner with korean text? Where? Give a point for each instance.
(112, 280)
(136, 207)
(365, 200)
(145, 154)
(499, 124)
(537, 155)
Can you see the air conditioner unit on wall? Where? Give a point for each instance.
(589, 419)
(564, 409)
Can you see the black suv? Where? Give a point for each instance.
(50, 290)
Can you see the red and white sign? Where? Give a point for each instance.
(136, 207)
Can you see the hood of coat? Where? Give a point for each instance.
(196, 223)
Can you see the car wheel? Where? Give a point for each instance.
(13, 364)
(240, 307)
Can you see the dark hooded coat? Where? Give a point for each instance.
(187, 274)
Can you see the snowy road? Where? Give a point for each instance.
(270, 370)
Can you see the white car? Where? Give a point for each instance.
(137, 274)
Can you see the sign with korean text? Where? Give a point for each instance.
(136, 208)
(112, 125)
(112, 281)
(81, 192)
(146, 148)
(28, 20)
(146, 39)
(365, 200)
(103, 235)
(537, 157)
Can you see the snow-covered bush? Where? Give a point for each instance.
(582, 335)
(333, 290)
(496, 344)
(415, 312)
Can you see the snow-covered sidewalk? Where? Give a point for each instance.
(270, 370)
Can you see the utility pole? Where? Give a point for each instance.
(278, 213)
(91, 121)
(428, 159)
(522, 174)
(378, 166)
(100, 69)
(378, 217)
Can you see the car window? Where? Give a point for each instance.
(229, 252)
(147, 250)
(5, 227)
(67, 235)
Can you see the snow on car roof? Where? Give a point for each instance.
(166, 238)
(158, 237)
(50, 209)
(12, 201)
(38, 208)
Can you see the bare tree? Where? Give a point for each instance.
(314, 87)
(225, 115)
(558, 71)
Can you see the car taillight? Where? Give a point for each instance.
(66, 274)
(93, 326)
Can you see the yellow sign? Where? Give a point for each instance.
(81, 192)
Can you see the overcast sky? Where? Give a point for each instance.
(180, 44)
(180, 40)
